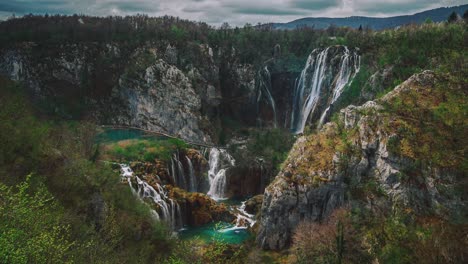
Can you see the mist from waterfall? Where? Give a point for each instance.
(317, 79)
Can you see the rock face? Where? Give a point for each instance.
(163, 101)
(153, 86)
(286, 204)
(312, 194)
(247, 180)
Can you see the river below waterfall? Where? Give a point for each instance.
(221, 231)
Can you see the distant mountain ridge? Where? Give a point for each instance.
(377, 23)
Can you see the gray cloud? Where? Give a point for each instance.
(235, 12)
(316, 4)
(267, 11)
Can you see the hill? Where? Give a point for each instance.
(376, 23)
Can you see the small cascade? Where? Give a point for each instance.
(264, 82)
(169, 209)
(182, 173)
(173, 172)
(321, 76)
(177, 172)
(219, 161)
(192, 178)
(244, 220)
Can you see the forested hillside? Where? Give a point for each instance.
(376, 173)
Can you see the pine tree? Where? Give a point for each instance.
(453, 17)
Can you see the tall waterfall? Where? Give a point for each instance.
(219, 161)
(264, 87)
(168, 209)
(323, 79)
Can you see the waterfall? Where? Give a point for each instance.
(177, 172)
(320, 77)
(243, 217)
(192, 179)
(343, 78)
(219, 161)
(264, 79)
(182, 173)
(244, 220)
(169, 209)
(173, 172)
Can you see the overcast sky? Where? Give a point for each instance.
(235, 12)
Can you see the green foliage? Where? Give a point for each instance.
(31, 226)
(272, 145)
(22, 135)
(453, 17)
(84, 214)
(353, 91)
(144, 149)
(430, 122)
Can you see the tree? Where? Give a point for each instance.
(465, 16)
(30, 224)
(453, 17)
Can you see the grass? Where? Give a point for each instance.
(142, 149)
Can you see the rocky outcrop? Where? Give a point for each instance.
(164, 100)
(247, 180)
(286, 204)
(254, 204)
(199, 209)
(314, 182)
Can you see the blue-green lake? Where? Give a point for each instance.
(216, 232)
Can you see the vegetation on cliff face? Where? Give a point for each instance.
(425, 127)
(70, 209)
(74, 208)
(142, 149)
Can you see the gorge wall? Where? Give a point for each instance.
(323, 172)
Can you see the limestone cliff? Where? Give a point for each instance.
(152, 86)
(327, 169)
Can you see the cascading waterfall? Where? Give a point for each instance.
(264, 79)
(244, 220)
(192, 179)
(343, 78)
(217, 172)
(183, 174)
(177, 172)
(317, 75)
(169, 208)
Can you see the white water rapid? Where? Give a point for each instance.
(169, 209)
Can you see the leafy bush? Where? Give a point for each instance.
(31, 226)
(272, 145)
